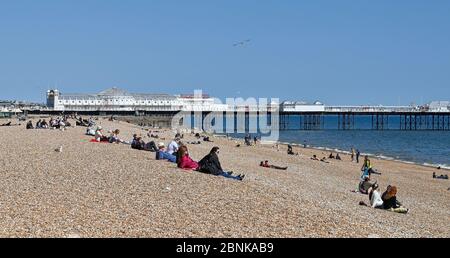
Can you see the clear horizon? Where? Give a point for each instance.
(340, 53)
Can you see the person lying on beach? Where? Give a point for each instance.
(314, 157)
(210, 164)
(324, 159)
(206, 139)
(194, 142)
(90, 131)
(6, 124)
(161, 154)
(266, 164)
(368, 166)
(390, 201)
(184, 161)
(151, 135)
(440, 177)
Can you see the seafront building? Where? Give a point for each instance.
(118, 100)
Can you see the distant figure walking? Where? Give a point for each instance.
(353, 154)
(357, 156)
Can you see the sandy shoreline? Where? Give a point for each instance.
(108, 190)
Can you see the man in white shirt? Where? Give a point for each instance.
(173, 146)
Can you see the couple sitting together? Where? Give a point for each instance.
(210, 164)
(387, 201)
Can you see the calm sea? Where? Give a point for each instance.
(421, 147)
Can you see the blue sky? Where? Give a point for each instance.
(339, 52)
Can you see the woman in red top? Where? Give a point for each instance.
(184, 161)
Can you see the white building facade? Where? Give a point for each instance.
(118, 100)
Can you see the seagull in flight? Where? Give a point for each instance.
(242, 43)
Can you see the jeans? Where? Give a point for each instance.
(225, 174)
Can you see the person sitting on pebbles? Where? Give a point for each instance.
(161, 154)
(375, 199)
(114, 137)
(390, 201)
(99, 137)
(184, 161)
(290, 150)
(210, 164)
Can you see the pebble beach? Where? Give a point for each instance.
(97, 190)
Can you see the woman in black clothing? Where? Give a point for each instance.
(210, 164)
(390, 201)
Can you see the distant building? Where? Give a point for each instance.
(300, 106)
(116, 100)
(439, 106)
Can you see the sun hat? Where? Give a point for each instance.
(161, 144)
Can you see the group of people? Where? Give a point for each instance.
(248, 140)
(100, 136)
(178, 153)
(337, 157)
(85, 122)
(388, 200)
(324, 159)
(55, 123)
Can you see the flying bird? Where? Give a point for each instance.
(241, 43)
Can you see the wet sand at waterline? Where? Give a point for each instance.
(111, 190)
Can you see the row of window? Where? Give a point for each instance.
(86, 102)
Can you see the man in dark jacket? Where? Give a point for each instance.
(210, 164)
